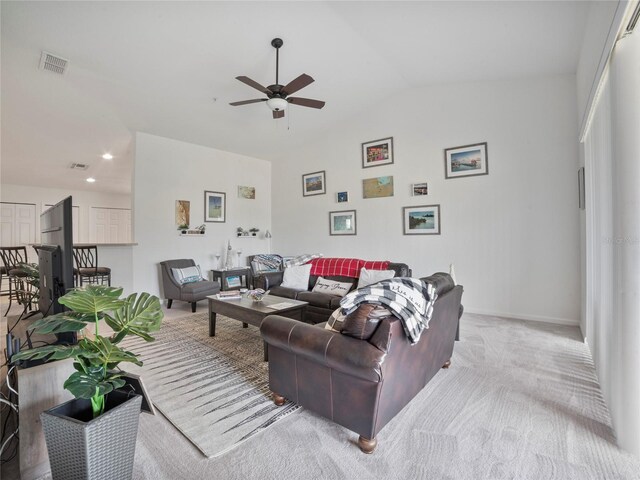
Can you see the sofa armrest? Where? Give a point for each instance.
(171, 288)
(348, 355)
(266, 280)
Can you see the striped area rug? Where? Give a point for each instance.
(215, 390)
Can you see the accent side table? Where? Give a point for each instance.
(233, 279)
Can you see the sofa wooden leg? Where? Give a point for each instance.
(169, 302)
(447, 364)
(278, 399)
(366, 445)
(193, 307)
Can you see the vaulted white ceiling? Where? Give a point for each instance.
(168, 68)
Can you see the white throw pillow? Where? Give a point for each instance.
(187, 275)
(369, 277)
(332, 287)
(296, 277)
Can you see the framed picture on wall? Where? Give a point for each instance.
(418, 189)
(466, 161)
(421, 220)
(247, 192)
(215, 206)
(183, 212)
(314, 184)
(377, 153)
(342, 222)
(342, 197)
(377, 187)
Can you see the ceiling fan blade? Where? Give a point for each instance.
(278, 114)
(254, 84)
(306, 102)
(296, 84)
(247, 102)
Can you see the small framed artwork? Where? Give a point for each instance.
(377, 187)
(581, 188)
(418, 189)
(247, 192)
(342, 197)
(421, 220)
(466, 161)
(215, 206)
(342, 223)
(313, 184)
(183, 212)
(377, 153)
(233, 282)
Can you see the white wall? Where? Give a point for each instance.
(84, 199)
(512, 234)
(168, 170)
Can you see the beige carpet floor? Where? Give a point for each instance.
(520, 401)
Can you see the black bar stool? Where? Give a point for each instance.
(87, 269)
(12, 257)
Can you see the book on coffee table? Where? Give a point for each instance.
(281, 305)
(230, 295)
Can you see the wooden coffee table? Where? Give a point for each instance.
(252, 313)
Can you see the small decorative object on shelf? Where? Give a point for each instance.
(183, 228)
(201, 229)
(254, 231)
(241, 232)
(229, 260)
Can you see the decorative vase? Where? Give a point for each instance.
(85, 448)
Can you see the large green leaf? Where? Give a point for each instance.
(62, 322)
(48, 352)
(93, 299)
(141, 315)
(112, 354)
(96, 382)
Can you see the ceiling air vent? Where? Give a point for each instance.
(53, 63)
(79, 166)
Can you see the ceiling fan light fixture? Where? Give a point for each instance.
(277, 104)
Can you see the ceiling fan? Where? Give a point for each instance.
(277, 95)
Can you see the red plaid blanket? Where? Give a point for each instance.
(346, 267)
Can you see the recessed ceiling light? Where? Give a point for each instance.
(91, 180)
(107, 156)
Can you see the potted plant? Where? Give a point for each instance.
(101, 423)
(183, 228)
(254, 231)
(240, 231)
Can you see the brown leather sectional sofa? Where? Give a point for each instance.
(321, 305)
(361, 384)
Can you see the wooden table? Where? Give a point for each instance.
(222, 276)
(252, 313)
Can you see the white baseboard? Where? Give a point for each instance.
(572, 322)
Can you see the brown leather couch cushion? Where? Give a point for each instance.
(285, 292)
(363, 322)
(317, 299)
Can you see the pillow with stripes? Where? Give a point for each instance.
(187, 275)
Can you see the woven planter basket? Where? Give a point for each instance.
(85, 448)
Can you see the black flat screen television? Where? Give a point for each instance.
(55, 259)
